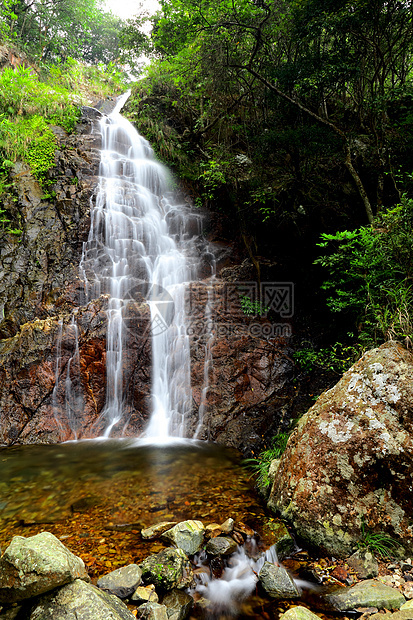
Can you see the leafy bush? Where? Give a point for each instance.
(370, 275)
(261, 465)
(338, 358)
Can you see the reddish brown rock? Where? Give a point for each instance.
(350, 457)
(249, 372)
(35, 401)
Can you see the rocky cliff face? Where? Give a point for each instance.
(53, 347)
(348, 466)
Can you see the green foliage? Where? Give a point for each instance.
(378, 543)
(52, 30)
(260, 466)
(252, 308)
(370, 273)
(338, 358)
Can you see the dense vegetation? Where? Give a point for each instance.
(293, 119)
(45, 52)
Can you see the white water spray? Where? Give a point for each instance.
(139, 234)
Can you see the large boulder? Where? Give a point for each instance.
(81, 601)
(32, 566)
(348, 466)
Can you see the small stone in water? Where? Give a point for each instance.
(221, 545)
(228, 526)
(145, 594)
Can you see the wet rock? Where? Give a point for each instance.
(32, 566)
(121, 582)
(212, 530)
(82, 601)
(154, 531)
(228, 526)
(14, 613)
(178, 604)
(406, 614)
(349, 457)
(145, 594)
(277, 582)
(187, 535)
(279, 537)
(299, 613)
(167, 569)
(251, 371)
(370, 593)
(221, 545)
(364, 563)
(152, 611)
(407, 605)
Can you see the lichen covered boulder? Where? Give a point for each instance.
(32, 566)
(167, 569)
(349, 459)
(81, 601)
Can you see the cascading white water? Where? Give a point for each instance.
(139, 235)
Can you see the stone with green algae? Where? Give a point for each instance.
(369, 593)
(299, 613)
(82, 601)
(35, 565)
(187, 535)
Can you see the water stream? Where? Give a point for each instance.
(143, 241)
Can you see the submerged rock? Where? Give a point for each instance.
(277, 582)
(32, 566)
(187, 535)
(121, 582)
(370, 593)
(152, 532)
(81, 601)
(349, 458)
(167, 569)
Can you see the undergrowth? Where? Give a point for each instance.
(260, 465)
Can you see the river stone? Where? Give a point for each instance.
(80, 601)
(370, 593)
(407, 605)
(280, 538)
(187, 535)
(152, 532)
(152, 611)
(402, 614)
(178, 604)
(228, 526)
(364, 563)
(277, 582)
(349, 458)
(34, 565)
(121, 582)
(144, 594)
(221, 545)
(299, 613)
(167, 569)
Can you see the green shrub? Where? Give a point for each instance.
(370, 275)
(261, 465)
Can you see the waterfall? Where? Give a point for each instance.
(142, 240)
